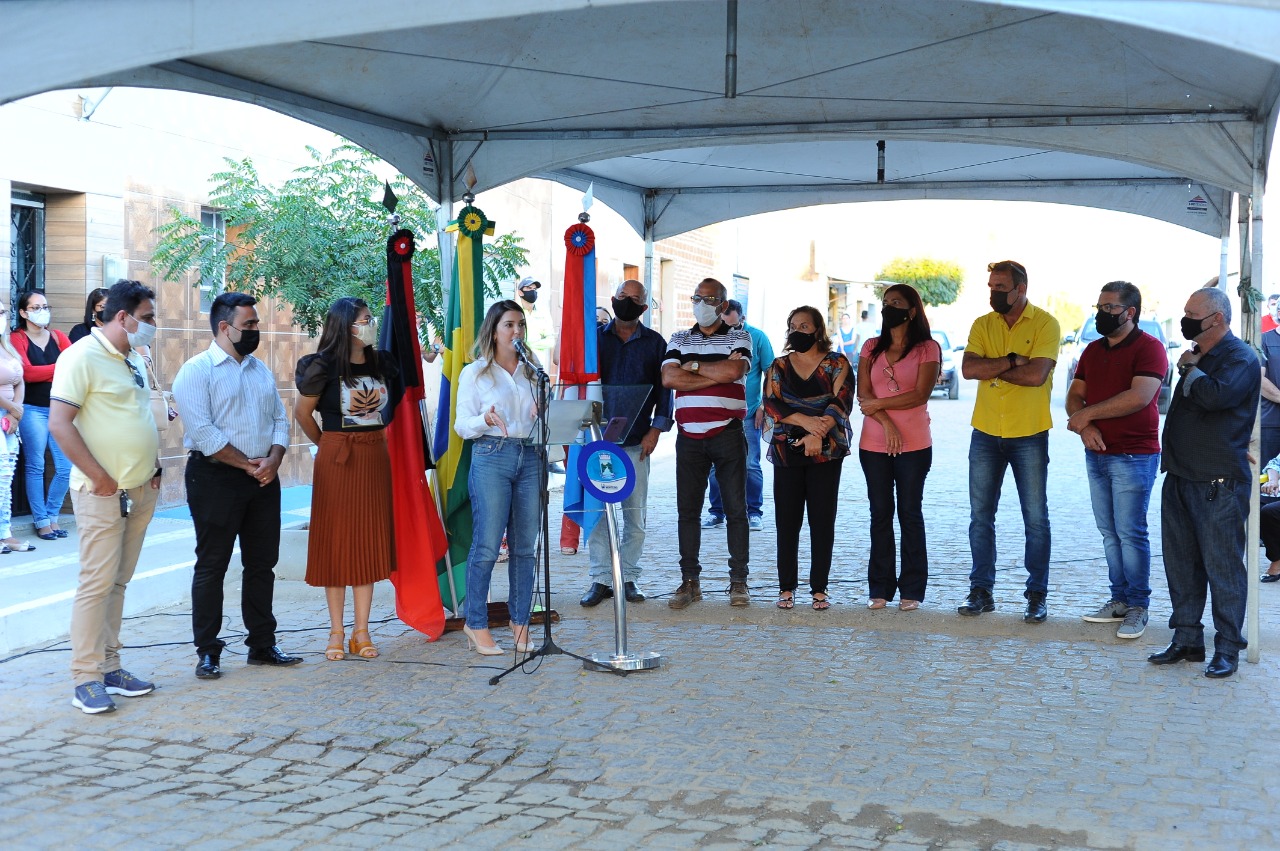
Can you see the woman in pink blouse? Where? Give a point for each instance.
(896, 374)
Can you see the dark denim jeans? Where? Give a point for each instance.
(1120, 489)
(904, 473)
(505, 484)
(989, 457)
(754, 479)
(694, 459)
(1202, 527)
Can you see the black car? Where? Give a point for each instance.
(1088, 333)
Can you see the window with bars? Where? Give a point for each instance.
(211, 286)
(26, 244)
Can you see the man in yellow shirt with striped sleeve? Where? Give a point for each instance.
(1011, 354)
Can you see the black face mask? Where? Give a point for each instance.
(248, 342)
(1192, 328)
(1108, 323)
(892, 317)
(801, 342)
(1000, 301)
(627, 310)
(529, 295)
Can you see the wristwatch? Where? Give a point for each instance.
(694, 366)
(1184, 368)
(1013, 359)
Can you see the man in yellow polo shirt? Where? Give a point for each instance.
(100, 414)
(1011, 353)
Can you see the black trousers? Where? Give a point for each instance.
(814, 487)
(1269, 526)
(226, 504)
(727, 451)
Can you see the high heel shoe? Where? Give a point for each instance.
(525, 646)
(472, 644)
(363, 649)
(334, 652)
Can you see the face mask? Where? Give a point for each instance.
(627, 310)
(143, 336)
(801, 342)
(40, 317)
(705, 315)
(1108, 323)
(892, 317)
(248, 342)
(367, 334)
(1000, 301)
(529, 295)
(1192, 328)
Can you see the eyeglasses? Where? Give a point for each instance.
(1110, 308)
(708, 300)
(893, 382)
(368, 321)
(137, 376)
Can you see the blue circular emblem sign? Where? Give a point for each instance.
(606, 472)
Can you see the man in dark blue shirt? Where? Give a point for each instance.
(630, 357)
(1205, 500)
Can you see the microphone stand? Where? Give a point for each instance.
(549, 646)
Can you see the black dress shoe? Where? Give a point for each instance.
(271, 656)
(980, 600)
(633, 594)
(208, 669)
(1037, 611)
(595, 594)
(1220, 666)
(1271, 577)
(1176, 652)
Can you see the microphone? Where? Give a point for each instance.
(525, 355)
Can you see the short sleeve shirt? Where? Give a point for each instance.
(1108, 371)
(1011, 410)
(705, 413)
(912, 423)
(114, 416)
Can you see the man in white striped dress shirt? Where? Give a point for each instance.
(236, 435)
(706, 365)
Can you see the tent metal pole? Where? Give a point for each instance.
(1252, 631)
(648, 257)
(1224, 257)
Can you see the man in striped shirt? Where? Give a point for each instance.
(236, 435)
(706, 366)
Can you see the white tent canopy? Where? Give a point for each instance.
(687, 113)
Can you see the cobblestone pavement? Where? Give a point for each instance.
(763, 728)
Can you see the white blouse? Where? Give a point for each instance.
(480, 388)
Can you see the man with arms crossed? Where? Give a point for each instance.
(100, 414)
(1204, 502)
(1011, 353)
(236, 435)
(706, 365)
(630, 356)
(1113, 402)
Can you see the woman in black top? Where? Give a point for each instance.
(93, 306)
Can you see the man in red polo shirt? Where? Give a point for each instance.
(1113, 403)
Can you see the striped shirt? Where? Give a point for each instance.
(224, 402)
(704, 413)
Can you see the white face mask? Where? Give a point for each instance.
(367, 334)
(40, 316)
(143, 336)
(705, 315)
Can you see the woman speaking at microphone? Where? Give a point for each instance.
(498, 412)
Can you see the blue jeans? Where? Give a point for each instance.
(631, 520)
(989, 457)
(505, 484)
(1120, 489)
(755, 475)
(34, 429)
(1202, 527)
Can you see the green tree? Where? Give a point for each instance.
(1067, 309)
(937, 281)
(319, 236)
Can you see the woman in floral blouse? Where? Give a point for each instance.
(808, 394)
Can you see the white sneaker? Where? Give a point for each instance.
(1111, 612)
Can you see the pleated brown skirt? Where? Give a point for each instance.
(350, 540)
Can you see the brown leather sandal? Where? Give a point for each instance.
(334, 651)
(364, 649)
